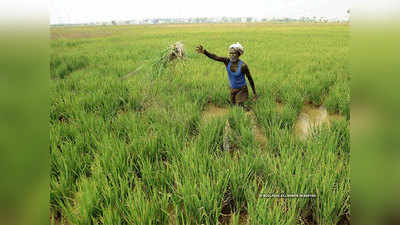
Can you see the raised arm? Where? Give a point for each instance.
(246, 71)
(200, 49)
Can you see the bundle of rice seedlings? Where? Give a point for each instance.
(174, 51)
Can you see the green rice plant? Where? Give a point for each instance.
(270, 115)
(64, 107)
(341, 128)
(267, 114)
(333, 139)
(66, 168)
(314, 91)
(60, 66)
(71, 153)
(155, 175)
(199, 187)
(297, 178)
(187, 115)
(327, 80)
(264, 210)
(288, 117)
(111, 98)
(202, 205)
(160, 145)
(278, 139)
(329, 207)
(235, 219)
(278, 88)
(125, 126)
(84, 134)
(210, 138)
(261, 163)
(338, 100)
(86, 207)
(328, 172)
(241, 125)
(146, 207)
(295, 101)
(111, 216)
(240, 177)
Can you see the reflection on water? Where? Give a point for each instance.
(311, 117)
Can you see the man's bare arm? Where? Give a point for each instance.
(210, 55)
(246, 71)
(215, 57)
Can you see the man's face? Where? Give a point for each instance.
(233, 55)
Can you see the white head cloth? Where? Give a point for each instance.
(237, 47)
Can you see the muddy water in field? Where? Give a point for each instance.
(212, 111)
(280, 106)
(227, 219)
(258, 132)
(312, 117)
(172, 215)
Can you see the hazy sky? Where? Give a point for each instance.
(81, 11)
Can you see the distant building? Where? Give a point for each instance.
(224, 19)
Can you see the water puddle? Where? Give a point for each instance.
(258, 132)
(280, 106)
(227, 219)
(213, 111)
(172, 215)
(310, 118)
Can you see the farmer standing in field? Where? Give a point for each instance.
(237, 69)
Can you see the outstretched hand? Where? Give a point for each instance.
(200, 49)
